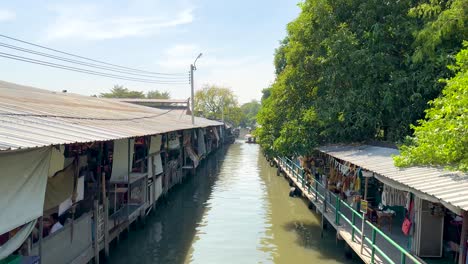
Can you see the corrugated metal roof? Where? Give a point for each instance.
(445, 186)
(31, 117)
(162, 101)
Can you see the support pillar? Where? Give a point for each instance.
(41, 231)
(96, 231)
(463, 239)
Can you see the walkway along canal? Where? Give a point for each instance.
(234, 210)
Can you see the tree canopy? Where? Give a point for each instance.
(442, 138)
(212, 100)
(155, 94)
(354, 70)
(118, 91)
(250, 111)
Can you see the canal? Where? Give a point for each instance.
(235, 210)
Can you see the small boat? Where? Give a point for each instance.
(250, 139)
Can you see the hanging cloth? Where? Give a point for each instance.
(23, 184)
(15, 242)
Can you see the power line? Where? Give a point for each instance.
(75, 69)
(89, 59)
(89, 64)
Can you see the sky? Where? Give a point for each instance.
(237, 39)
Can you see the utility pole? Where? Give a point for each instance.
(192, 100)
(192, 89)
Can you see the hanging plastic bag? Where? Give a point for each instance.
(406, 227)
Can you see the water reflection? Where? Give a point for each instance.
(235, 210)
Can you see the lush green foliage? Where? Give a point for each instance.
(155, 94)
(354, 70)
(121, 92)
(250, 111)
(442, 138)
(212, 100)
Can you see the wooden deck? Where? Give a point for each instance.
(344, 229)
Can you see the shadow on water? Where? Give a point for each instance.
(170, 229)
(295, 229)
(328, 247)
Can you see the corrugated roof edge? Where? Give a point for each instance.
(452, 205)
(14, 95)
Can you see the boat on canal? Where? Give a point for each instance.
(250, 139)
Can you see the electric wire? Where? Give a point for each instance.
(89, 59)
(90, 64)
(81, 70)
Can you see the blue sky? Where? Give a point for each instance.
(237, 39)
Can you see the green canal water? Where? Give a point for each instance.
(235, 210)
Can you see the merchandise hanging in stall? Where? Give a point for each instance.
(395, 197)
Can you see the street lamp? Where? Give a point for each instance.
(192, 69)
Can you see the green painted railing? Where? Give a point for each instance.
(313, 189)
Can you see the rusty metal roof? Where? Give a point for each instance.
(450, 188)
(32, 117)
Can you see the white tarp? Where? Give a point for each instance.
(57, 160)
(193, 156)
(15, 242)
(158, 187)
(215, 131)
(65, 205)
(59, 187)
(120, 159)
(23, 181)
(201, 142)
(155, 147)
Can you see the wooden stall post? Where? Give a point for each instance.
(129, 189)
(96, 231)
(364, 213)
(41, 231)
(105, 201)
(463, 239)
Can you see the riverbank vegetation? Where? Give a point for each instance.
(118, 91)
(354, 71)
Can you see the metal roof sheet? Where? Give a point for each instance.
(142, 100)
(447, 186)
(32, 117)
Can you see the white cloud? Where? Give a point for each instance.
(6, 15)
(181, 50)
(98, 23)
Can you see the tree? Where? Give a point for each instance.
(155, 94)
(347, 72)
(266, 93)
(212, 100)
(250, 111)
(442, 138)
(121, 92)
(446, 26)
